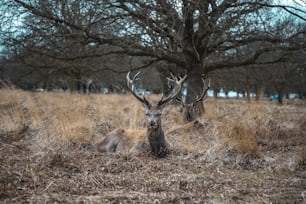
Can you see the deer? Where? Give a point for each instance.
(192, 109)
(155, 137)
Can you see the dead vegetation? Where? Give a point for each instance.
(238, 152)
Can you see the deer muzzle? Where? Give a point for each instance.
(152, 124)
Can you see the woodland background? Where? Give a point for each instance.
(246, 46)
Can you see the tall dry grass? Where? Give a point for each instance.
(229, 131)
(58, 118)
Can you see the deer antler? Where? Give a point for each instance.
(198, 98)
(132, 89)
(175, 90)
(203, 96)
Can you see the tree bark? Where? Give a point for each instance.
(281, 92)
(259, 92)
(248, 90)
(194, 88)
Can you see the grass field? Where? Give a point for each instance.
(238, 152)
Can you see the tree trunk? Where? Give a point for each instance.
(73, 85)
(216, 93)
(281, 92)
(259, 92)
(194, 88)
(280, 97)
(248, 90)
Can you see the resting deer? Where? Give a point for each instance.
(192, 109)
(154, 133)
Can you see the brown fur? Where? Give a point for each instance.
(120, 140)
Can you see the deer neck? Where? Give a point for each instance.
(155, 134)
(157, 142)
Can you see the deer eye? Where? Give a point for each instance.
(147, 114)
(157, 114)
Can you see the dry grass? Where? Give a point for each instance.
(47, 139)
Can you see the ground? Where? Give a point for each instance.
(238, 152)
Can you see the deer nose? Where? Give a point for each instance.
(152, 123)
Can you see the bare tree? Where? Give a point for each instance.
(44, 43)
(196, 36)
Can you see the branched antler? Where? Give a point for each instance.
(203, 96)
(175, 90)
(132, 89)
(178, 81)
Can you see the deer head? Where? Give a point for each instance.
(194, 108)
(153, 113)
